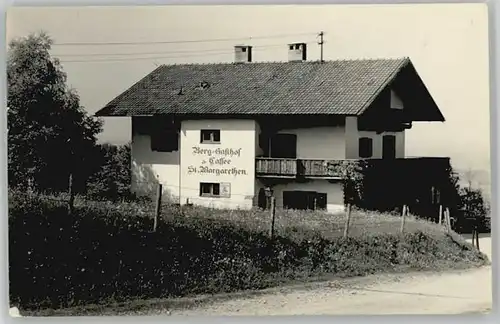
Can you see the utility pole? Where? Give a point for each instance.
(320, 43)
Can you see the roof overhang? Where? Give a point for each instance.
(419, 105)
(405, 82)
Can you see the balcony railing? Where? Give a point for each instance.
(314, 168)
(276, 167)
(292, 168)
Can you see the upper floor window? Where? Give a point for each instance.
(210, 136)
(365, 147)
(389, 147)
(165, 140)
(284, 146)
(208, 189)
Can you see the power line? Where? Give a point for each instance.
(143, 58)
(195, 54)
(178, 42)
(160, 52)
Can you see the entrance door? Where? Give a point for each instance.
(321, 201)
(389, 147)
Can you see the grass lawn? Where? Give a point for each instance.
(106, 254)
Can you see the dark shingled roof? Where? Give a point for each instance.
(345, 87)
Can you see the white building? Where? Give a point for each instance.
(217, 134)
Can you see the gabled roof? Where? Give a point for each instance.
(344, 87)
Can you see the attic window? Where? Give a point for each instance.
(244, 49)
(203, 85)
(291, 47)
(297, 46)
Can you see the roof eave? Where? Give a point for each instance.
(425, 108)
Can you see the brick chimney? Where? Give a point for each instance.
(242, 54)
(297, 52)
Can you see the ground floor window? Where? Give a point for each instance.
(304, 200)
(209, 189)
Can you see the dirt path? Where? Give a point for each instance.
(441, 293)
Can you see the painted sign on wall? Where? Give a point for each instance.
(217, 161)
(225, 190)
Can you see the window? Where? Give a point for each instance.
(389, 147)
(284, 146)
(202, 85)
(304, 200)
(209, 189)
(210, 136)
(166, 140)
(291, 47)
(244, 49)
(297, 46)
(365, 147)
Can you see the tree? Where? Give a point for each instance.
(472, 202)
(49, 133)
(352, 175)
(113, 177)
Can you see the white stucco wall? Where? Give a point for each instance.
(216, 163)
(181, 172)
(334, 192)
(378, 140)
(319, 142)
(353, 136)
(150, 168)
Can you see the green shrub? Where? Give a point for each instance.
(106, 251)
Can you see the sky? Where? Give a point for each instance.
(447, 43)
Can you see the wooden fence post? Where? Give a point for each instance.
(477, 241)
(403, 218)
(71, 202)
(347, 221)
(476, 230)
(273, 215)
(447, 220)
(440, 214)
(158, 207)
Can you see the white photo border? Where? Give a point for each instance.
(494, 34)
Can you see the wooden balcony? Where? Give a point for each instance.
(293, 168)
(318, 169)
(280, 168)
